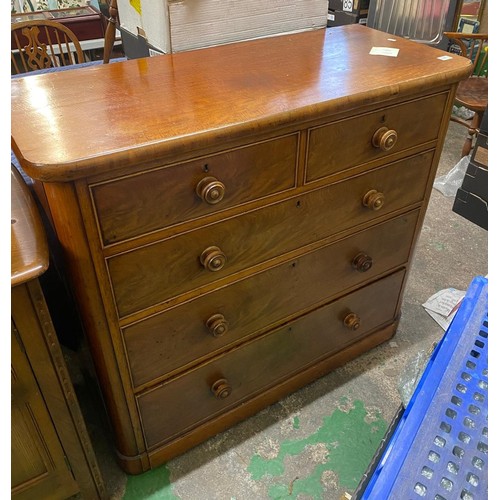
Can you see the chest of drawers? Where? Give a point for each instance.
(237, 220)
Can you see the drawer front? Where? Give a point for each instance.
(205, 326)
(347, 143)
(152, 274)
(177, 193)
(264, 362)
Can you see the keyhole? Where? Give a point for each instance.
(205, 167)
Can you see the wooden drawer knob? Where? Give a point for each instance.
(213, 259)
(217, 325)
(210, 190)
(374, 200)
(362, 262)
(352, 321)
(221, 388)
(384, 139)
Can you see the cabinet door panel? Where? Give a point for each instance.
(38, 465)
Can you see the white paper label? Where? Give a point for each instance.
(384, 51)
(347, 5)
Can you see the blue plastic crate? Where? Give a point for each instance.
(439, 449)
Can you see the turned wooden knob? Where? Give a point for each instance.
(362, 262)
(221, 388)
(352, 321)
(374, 200)
(213, 259)
(384, 139)
(217, 325)
(210, 190)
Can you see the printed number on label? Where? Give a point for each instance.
(347, 5)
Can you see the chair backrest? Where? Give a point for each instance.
(474, 46)
(40, 44)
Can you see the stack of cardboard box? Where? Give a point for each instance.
(168, 26)
(471, 200)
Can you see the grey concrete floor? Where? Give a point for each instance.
(285, 450)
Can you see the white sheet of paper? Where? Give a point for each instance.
(443, 305)
(444, 301)
(443, 321)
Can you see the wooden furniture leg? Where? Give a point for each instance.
(110, 35)
(472, 131)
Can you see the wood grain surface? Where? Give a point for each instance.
(29, 250)
(119, 114)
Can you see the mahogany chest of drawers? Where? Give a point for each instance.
(237, 220)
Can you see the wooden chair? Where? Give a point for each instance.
(110, 35)
(40, 44)
(473, 92)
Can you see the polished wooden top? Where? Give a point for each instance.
(29, 250)
(74, 123)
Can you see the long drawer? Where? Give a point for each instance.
(346, 143)
(155, 273)
(192, 331)
(177, 193)
(244, 372)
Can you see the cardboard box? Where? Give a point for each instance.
(353, 6)
(340, 18)
(147, 22)
(178, 25)
(471, 200)
(480, 152)
(472, 207)
(136, 46)
(475, 181)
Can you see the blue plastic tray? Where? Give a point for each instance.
(439, 449)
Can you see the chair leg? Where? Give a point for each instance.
(110, 35)
(471, 132)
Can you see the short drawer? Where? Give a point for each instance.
(245, 372)
(149, 201)
(202, 327)
(155, 273)
(347, 143)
